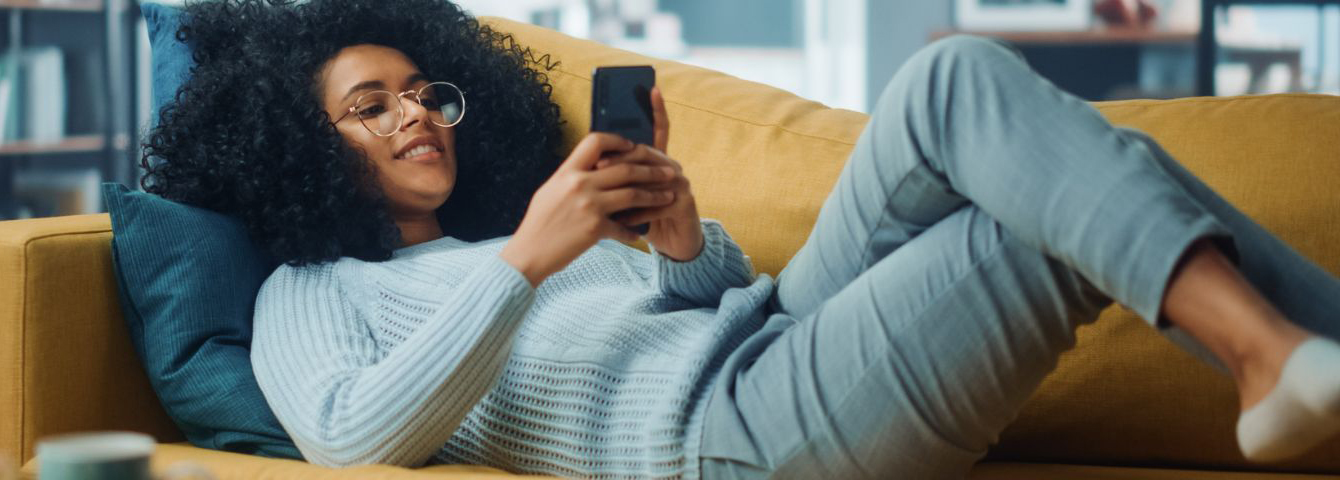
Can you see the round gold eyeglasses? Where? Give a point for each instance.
(380, 111)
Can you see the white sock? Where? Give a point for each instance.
(1301, 411)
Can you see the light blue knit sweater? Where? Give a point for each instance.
(446, 354)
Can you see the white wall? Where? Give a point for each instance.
(897, 29)
(835, 53)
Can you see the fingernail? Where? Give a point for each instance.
(667, 171)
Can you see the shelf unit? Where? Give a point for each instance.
(101, 28)
(1106, 64)
(1207, 43)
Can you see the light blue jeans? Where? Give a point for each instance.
(983, 216)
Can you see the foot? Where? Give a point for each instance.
(1290, 398)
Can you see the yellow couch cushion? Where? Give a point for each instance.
(1126, 395)
(747, 148)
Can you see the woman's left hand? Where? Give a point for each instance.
(675, 229)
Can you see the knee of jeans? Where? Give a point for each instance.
(970, 47)
(942, 63)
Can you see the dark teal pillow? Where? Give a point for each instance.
(188, 278)
(170, 59)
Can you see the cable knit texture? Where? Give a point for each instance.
(446, 354)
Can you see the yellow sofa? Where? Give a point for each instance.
(1125, 403)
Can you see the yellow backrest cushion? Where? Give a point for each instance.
(746, 148)
(1126, 394)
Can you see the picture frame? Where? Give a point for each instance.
(1024, 15)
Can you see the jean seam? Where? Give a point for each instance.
(885, 214)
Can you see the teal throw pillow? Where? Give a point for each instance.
(187, 278)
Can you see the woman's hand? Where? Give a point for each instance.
(571, 211)
(675, 229)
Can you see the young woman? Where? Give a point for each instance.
(452, 291)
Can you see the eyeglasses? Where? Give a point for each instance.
(445, 104)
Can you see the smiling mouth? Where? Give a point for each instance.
(418, 151)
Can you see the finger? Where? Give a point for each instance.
(640, 154)
(611, 201)
(660, 121)
(590, 149)
(631, 173)
(644, 215)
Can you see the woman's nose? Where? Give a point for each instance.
(414, 111)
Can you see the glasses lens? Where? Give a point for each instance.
(380, 112)
(445, 103)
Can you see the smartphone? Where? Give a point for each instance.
(621, 104)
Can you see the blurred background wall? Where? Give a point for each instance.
(74, 75)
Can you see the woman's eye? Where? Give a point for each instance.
(430, 103)
(372, 110)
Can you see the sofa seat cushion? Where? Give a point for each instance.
(229, 466)
(235, 466)
(1058, 471)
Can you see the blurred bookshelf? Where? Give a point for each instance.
(71, 5)
(68, 91)
(1118, 63)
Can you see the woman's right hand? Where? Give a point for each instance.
(571, 211)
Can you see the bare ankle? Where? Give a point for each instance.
(1260, 362)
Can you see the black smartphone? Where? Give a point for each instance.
(621, 104)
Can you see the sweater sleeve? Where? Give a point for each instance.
(721, 265)
(344, 402)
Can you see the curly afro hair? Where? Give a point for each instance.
(247, 135)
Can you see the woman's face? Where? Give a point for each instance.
(415, 186)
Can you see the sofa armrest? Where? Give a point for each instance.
(66, 361)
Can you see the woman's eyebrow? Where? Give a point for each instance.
(413, 77)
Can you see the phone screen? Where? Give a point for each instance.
(621, 102)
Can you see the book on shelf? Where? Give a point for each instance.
(9, 116)
(85, 78)
(35, 104)
(65, 2)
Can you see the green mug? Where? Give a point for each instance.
(102, 456)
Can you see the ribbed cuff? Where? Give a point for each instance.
(720, 266)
